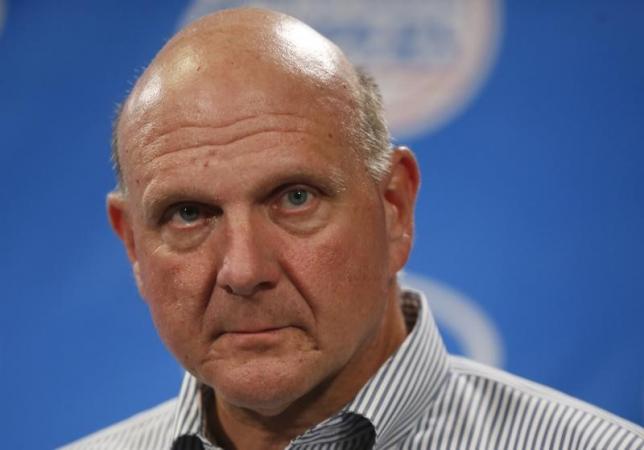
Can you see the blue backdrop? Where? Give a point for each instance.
(531, 211)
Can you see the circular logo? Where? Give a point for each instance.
(475, 333)
(428, 56)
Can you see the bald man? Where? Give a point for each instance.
(266, 217)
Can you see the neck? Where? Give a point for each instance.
(238, 428)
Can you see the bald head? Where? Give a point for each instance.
(245, 60)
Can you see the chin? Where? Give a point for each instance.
(265, 385)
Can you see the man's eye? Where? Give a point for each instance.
(296, 198)
(189, 213)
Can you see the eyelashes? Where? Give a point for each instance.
(287, 201)
(189, 215)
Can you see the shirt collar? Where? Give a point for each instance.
(404, 387)
(407, 384)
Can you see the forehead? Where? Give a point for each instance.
(194, 101)
(262, 140)
(248, 164)
(180, 124)
(272, 128)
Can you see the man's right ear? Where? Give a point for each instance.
(122, 226)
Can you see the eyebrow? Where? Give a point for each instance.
(332, 183)
(155, 203)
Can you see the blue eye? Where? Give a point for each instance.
(189, 213)
(297, 197)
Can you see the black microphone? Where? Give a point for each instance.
(187, 442)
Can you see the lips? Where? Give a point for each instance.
(255, 330)
(252, 330)
(249, 328)
(254, 339)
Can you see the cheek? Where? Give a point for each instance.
(343, 274)
(177, 289)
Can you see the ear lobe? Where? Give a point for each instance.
(117, 213)
(137, 277)
(399, 189)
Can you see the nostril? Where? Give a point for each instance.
(242, 292)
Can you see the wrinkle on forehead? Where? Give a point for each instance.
(289, 132)
(236, 64)
(194, 134)
(191, 134)
(214, 145)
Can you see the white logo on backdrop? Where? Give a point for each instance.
(472, 329)
(429, 56)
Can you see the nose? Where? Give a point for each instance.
(248, 264)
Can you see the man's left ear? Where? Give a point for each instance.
(399, 188)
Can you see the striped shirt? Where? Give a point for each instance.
(421, 398)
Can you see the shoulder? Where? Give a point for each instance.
(150, 429)
(513, 412)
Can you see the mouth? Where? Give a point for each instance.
(250, 331)
(254, 330)
(255, 339)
